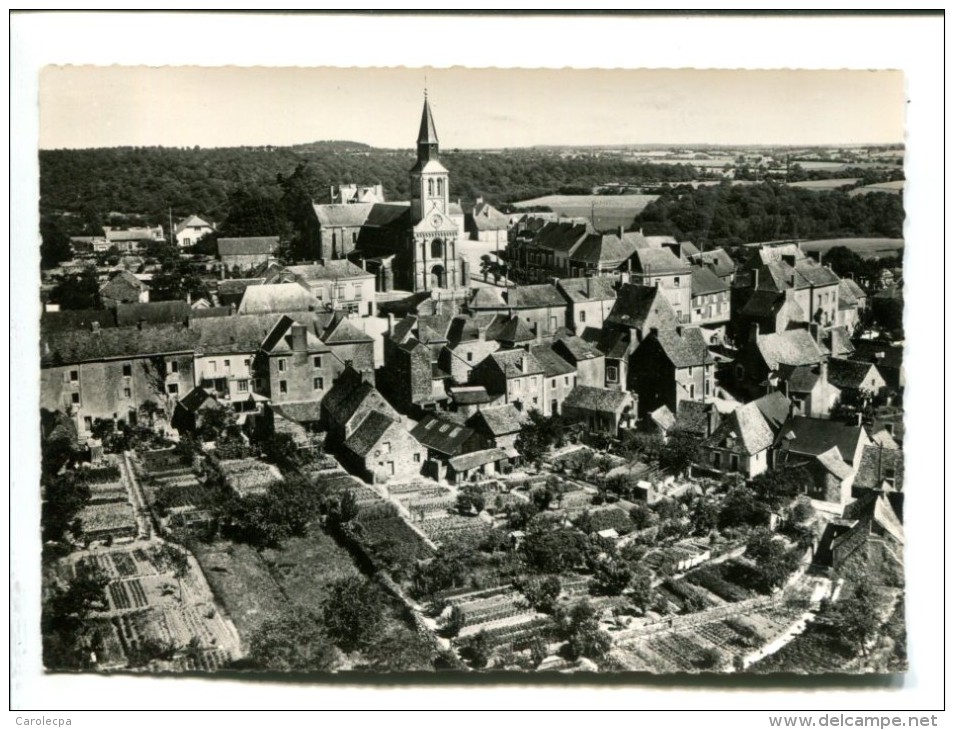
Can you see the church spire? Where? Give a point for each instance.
(427, 137)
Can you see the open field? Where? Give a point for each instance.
(609, 210)
(831, 184)
(895, 186)
(241, 580)
(304, 566)
(869, 248)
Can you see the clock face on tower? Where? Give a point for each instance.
(436, 221)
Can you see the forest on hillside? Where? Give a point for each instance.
(148, 181)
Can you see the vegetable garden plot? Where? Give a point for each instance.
(439, 529)
(102, 563)
(125, 565)
(129, 594)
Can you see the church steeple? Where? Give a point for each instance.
(429, 179)
(427, 143)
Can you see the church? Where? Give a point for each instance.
(408, 246)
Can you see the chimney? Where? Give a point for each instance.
(753, 331)
(589, 286)
(815, 330)
(619, 231)
(525, 366)
(755, 279)
(654, 331)
(858, 419)
(232, 308)
(299, 338)
(823, 371)
(390, 323)
(364, 264)
(679, 330)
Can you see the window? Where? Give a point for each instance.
(88, 423)
(692, 390)
(213, 366)
(358, 292)
(354, 236)
(248, 364)
(889, 427)
(553, 383)
(127, 370)
(675, 281)
(127, 392)
(734, 462)
(430, 187)
(74, 376)
(75, 398)
(582, 316)
(386, 447)
(281, 365)
(535, 400)
(707, 386)
(317, 361)
(417, 457)
(470, 357)
(282, 386)
(228, 365)
(612, 374)
(174, 366)
(716, 459)
(242, 386)
(566, 380)
(319, 383)
(173, 389)
(690, 371)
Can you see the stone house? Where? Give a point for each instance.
(109, 373)
(336, 284)
(499, 426)
(347, 403)
(600, 410)
(761, 356)
(639, 309)
(852, 303)
(603, 253)
(860, 379)
(130, 239)
(671, 366)
(444, 438)
(293, 365)
(867, 540)
(277, 299)
(559, 378)
(515, 376)
(586, 358)
(247, 252)
(477, 464)
(380, 449)
(660, 268)
(590, 298)
(412, 375)
(740, 444)
(718, 262)
(189, 231)
(123, 288)
(190, 411)
(485, 223)
(880, 469)
(803, 438)
(710, 303)
(808, 387)
(541, 306)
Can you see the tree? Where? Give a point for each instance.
(353, 613)
(64, 495)
(400, 650)
(292, 642)
(175, 560)
(470, 499)
(477, 650)
(856, 617)
(538, 434)
(580, 627)
(55, 244)
(679, 452)
(740, 507)
(611, 577)
(67, 638)
(780, 486)
(773, 562)
(77, 291)
(541, 594)
(553, 551)
(344, 509)
(641, 515)
(642, 592)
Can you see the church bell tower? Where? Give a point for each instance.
(429, 193)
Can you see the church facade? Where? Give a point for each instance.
(408, 246)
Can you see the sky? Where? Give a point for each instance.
(176, 106)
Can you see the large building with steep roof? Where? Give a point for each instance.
(409, 246)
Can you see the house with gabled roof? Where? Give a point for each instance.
(639, 309)
(559, 378)
(293, 365)
(499, 426)
(588, 360)
(348, 401)
(804, 439)
(191, 229)
(808, 387)
(123, 288)
(191, 409)
(277, 299)
(860, 379)
(710, 304)
(514, 376)
(718, 262)
(381, 450)
(867, 540)
(600, 410)
(542, 307)
(661, 268)
(852, 303)
(762, 355)
(444, 439)
(670, 366)
(599, 254)
(740, 444)
(413, 376)
(591, 299)
(245, 253)
(485, 223)
(335, 283)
